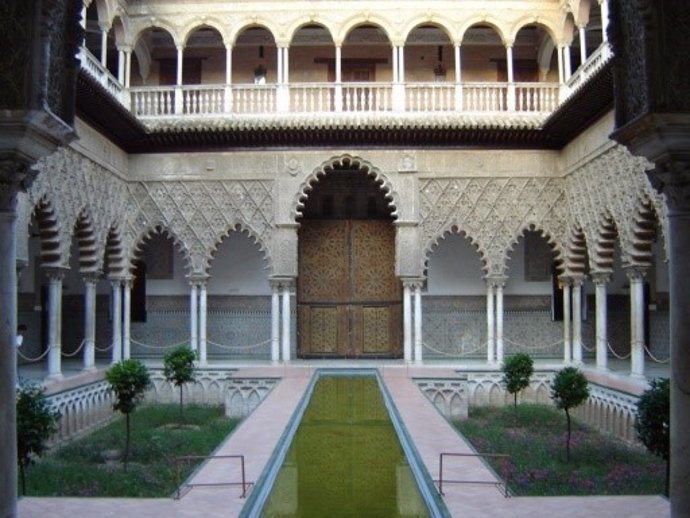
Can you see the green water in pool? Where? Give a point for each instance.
(345, 460)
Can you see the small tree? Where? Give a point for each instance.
(36, 422)
(653, 420)
(178, 368)
(568, 390)
(517, 371)
(128, 379)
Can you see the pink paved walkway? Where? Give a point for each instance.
(257, 436)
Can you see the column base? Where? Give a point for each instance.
(91, 368)
(638, 376)
(55, 377)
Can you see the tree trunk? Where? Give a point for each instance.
(515, 409)
(180, 403)
(567, 441)
(126, 458)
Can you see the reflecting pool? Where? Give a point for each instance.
(345, 459)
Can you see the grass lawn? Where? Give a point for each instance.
(80, 468)
(599, 464)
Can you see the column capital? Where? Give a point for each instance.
(282, 282)
(198, 278)
(600, 278)
(16, 175)
(564, 280)
(91, 277)
(54, 273)
(495, 281)
(635, 272)
(104, 26)
(577, 280)
(413, 282)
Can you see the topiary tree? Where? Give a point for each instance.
(178, 368)
(653, 420)
(517, 371)
(128, 379)
(36, 422)
(568, 390)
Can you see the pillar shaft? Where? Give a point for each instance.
(104, 46)
(194, 317)
(418, 323)
(8, 358)
(561, 65)
(567, 65)
(583, 44)
(636, 323)
(601, 322)
(90, 323)
(286, 323)
(54, 324)
(117, 320)
(679, 280)
(577, 321)
(499, 323)
(275, 323)
(567, 345)
(126, 318)
(407, 322)
(202, 324)
(490, 324)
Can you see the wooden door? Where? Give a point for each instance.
(348, 297)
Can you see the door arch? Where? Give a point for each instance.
(348, 298)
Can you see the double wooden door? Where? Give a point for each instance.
(348, 297)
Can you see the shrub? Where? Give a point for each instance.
(568, 390)
(178, 368)
(128, 379)
(36, 422)
(517, 371)
(653, 420)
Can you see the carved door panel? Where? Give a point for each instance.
(348, 297)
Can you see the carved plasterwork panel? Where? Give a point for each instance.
(200, 214)
(493, 213)
(613, 186)
(74, 184)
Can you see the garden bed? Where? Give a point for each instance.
(599, 464)
(91, 465)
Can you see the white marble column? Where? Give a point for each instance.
(637, 345)
(104, 43)
(338, 93)
(90, 322)
(228, 79)
(128, 67)
(567, 345)
(511, 78)
(583, 44)
(401, 64)
(286, 321)
(275, 321)
(600, 280)
(418, 341)
(286, 65)
(561, 64)
(407, 322)
(116, 302)
(194, 316)
(499, 321)
(577, 320)
(121, 66)
(604, 4)
(567, 65)
(490, 322)
(203, 311)
(178, 81)
(458, 77)
(126, 317)
(55, 276)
